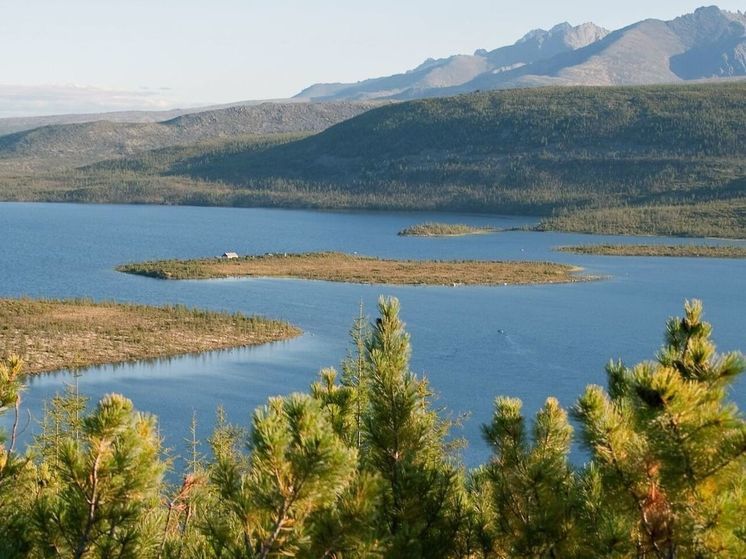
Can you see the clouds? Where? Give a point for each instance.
(34, 100)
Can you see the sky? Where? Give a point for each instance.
(97, 55)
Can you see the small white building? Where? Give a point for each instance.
(230, 255)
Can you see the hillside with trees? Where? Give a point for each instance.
(364, 465)
(542, 152)
(611, 160)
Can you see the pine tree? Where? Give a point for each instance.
(339, 402)
(11, 384)
(355, 372)
(530, 483)
(349, 526)
(104, 493)
(297, 466)
(17, 480)
(184, 502)
(670, 449)
(63, 419)
(404, 443)
(478, 532)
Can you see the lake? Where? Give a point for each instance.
(473, 343)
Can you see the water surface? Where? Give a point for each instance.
(473, 343)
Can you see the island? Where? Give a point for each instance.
(432, 229)
(354, 268)
(51, 335)
(695, 251)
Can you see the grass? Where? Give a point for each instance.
(352, 268)
(701, 251)
(59, 334)
(432, 229)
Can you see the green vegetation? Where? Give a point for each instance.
(55, 334)
(699, 251)
(640, 160)
(353, 268)
(364, 466)
(142, 179)
(703, 219)
(431, 229)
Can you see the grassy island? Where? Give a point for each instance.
(700, 251)
(53, 334)
(431, 229)
(353, 268)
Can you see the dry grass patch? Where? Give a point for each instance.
(340, 267)
(53, 334)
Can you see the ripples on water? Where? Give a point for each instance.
(473, 343)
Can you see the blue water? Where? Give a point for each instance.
(473, 343)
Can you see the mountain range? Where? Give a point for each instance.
(707, 44)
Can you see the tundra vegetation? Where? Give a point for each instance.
(694, 251)
(431, 229)
(365, 465)
(74, 333)
(354, 268)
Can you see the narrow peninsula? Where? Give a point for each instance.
(353, 268)
(691, 251)
(431, 229)
(61, 334)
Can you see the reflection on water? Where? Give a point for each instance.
(144, 367)
(473, 343)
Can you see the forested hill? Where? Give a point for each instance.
(517, 151)
(667, 160)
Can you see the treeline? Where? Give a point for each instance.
(364, 466)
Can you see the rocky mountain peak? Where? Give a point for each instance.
(707, 25)
(708, 43)
(572, 36)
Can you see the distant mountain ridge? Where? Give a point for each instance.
(66, 145)
(461, 69)
(10, 125)
(707, 44)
